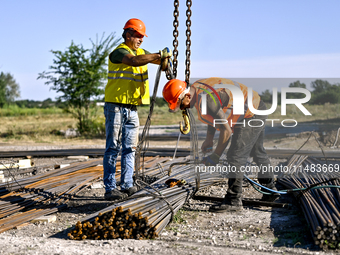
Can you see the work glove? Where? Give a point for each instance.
(164, 64)
(211, 160)
(165, 53)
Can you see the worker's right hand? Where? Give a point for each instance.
(164, 64)
(165, 53)
(211, 160)
(207, 146)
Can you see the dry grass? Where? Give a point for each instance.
(39, 128)
(45, 128)
(160, 116)
(319, 112)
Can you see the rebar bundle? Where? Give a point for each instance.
(25, 199)
(145, 214)
(319, 197)
(35, 196)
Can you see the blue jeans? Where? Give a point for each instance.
(121, 126)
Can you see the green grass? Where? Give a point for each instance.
(178, 217)
(15, 111)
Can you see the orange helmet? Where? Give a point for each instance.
(137, 25)
(173, 91)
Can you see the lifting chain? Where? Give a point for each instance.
(175, 41)
(173, 75)
(188, 43)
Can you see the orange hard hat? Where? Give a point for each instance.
(137, 25)
(173, 90)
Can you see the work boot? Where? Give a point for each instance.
(130, 191)
(233, 205)
(114, 194)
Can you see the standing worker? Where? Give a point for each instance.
(247, 140)
(127, 87)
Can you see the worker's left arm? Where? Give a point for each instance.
(225, 133)
(220, 122)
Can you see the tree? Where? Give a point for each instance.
(266, 96)
(296, 84)
(79, 74)
(324, 92)
(320, 86)
(9, 89)
(47, 103)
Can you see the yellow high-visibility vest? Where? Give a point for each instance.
(127, 84)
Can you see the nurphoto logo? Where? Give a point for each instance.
(239, 104)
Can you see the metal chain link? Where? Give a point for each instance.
(188, 43)
(175, 41)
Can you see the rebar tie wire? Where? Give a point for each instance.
(160, 196)
(8, 169)
(161, 169)
(312, 133)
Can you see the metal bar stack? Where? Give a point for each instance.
(28, 198)
(145, 214)
(25, 199)
(321, 206)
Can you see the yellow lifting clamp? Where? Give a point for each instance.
(186, 129)
(173, 182)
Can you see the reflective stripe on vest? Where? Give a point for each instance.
(228, 110)
(131, 78)
(127, 84)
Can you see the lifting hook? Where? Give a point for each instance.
(186, 128)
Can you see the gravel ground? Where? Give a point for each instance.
(254, 230)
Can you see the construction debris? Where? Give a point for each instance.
(46, 219)
(97, 185)
(23, 163)
(78, 157)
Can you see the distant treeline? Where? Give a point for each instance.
(48, 103)
(323, 92)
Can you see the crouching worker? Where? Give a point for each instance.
(217, 110)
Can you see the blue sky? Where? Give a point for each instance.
(231, 39)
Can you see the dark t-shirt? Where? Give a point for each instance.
(117, 55)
